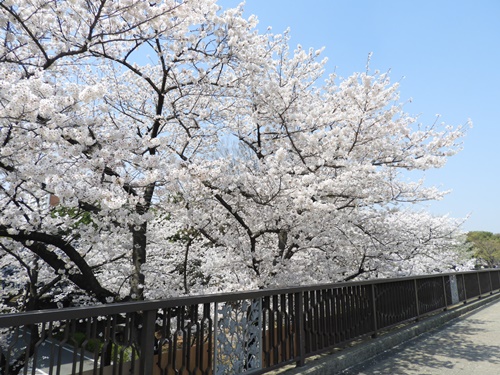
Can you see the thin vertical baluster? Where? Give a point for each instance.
(478, 284)
(160, 340)
(210, 337)
(345, 315)
(292, 332)
(394, 302)
(189, 334)
(357, 315)
(132, 340)
(75, 348)
(107, 343)
(307, 322)
(182, 330)
(374, 310)
(178, 317)
(417, 300)
(354, 317)
(199, 340)
(313, 321)
(171, 339)
(273, 325)
(491, 283)
(52, 344)
(321, 319)
(444, 294)
(367, 308)
(62, 343)
(356, 309)
(146, 341)
(338, 316)
(299, 321)
(282, 328)
(328, 316)
(464, 288)
(216, 334)
(395, 317)
(266, 345)
(333, 317)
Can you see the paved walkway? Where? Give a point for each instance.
(467, 345)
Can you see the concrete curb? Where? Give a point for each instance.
(337, 362)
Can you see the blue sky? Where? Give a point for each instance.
(446, 56)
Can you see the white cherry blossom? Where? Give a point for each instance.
(190, 154)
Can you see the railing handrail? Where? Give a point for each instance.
(41, 316)
(235, 331)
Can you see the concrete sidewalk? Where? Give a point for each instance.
(467, 345)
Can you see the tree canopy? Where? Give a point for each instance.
(191, 153)
(485, 247)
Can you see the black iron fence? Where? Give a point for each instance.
(250, 332)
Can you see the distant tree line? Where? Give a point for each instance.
(485, 248)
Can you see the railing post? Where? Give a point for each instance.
(479, 285)
(444, 294)
(216, 335)
(299, 326)
(374, 312)
(465, 290)
(491, 283)
(416, 300)
(147, 342)
(498, 277)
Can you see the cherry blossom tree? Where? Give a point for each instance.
(190, 153)
(314, 190)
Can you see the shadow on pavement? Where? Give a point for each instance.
(455, 346)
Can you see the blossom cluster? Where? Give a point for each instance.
(190, 153)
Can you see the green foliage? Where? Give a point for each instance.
(78, 215)
(485, 247)
(184, 235)
(192, 270)
(95, 345)
(75, 215)
(80, 339)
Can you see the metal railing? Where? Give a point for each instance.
(250, 332)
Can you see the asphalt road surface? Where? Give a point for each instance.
(48, 351)
(464, 346)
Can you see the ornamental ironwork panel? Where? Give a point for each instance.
(238, 338)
